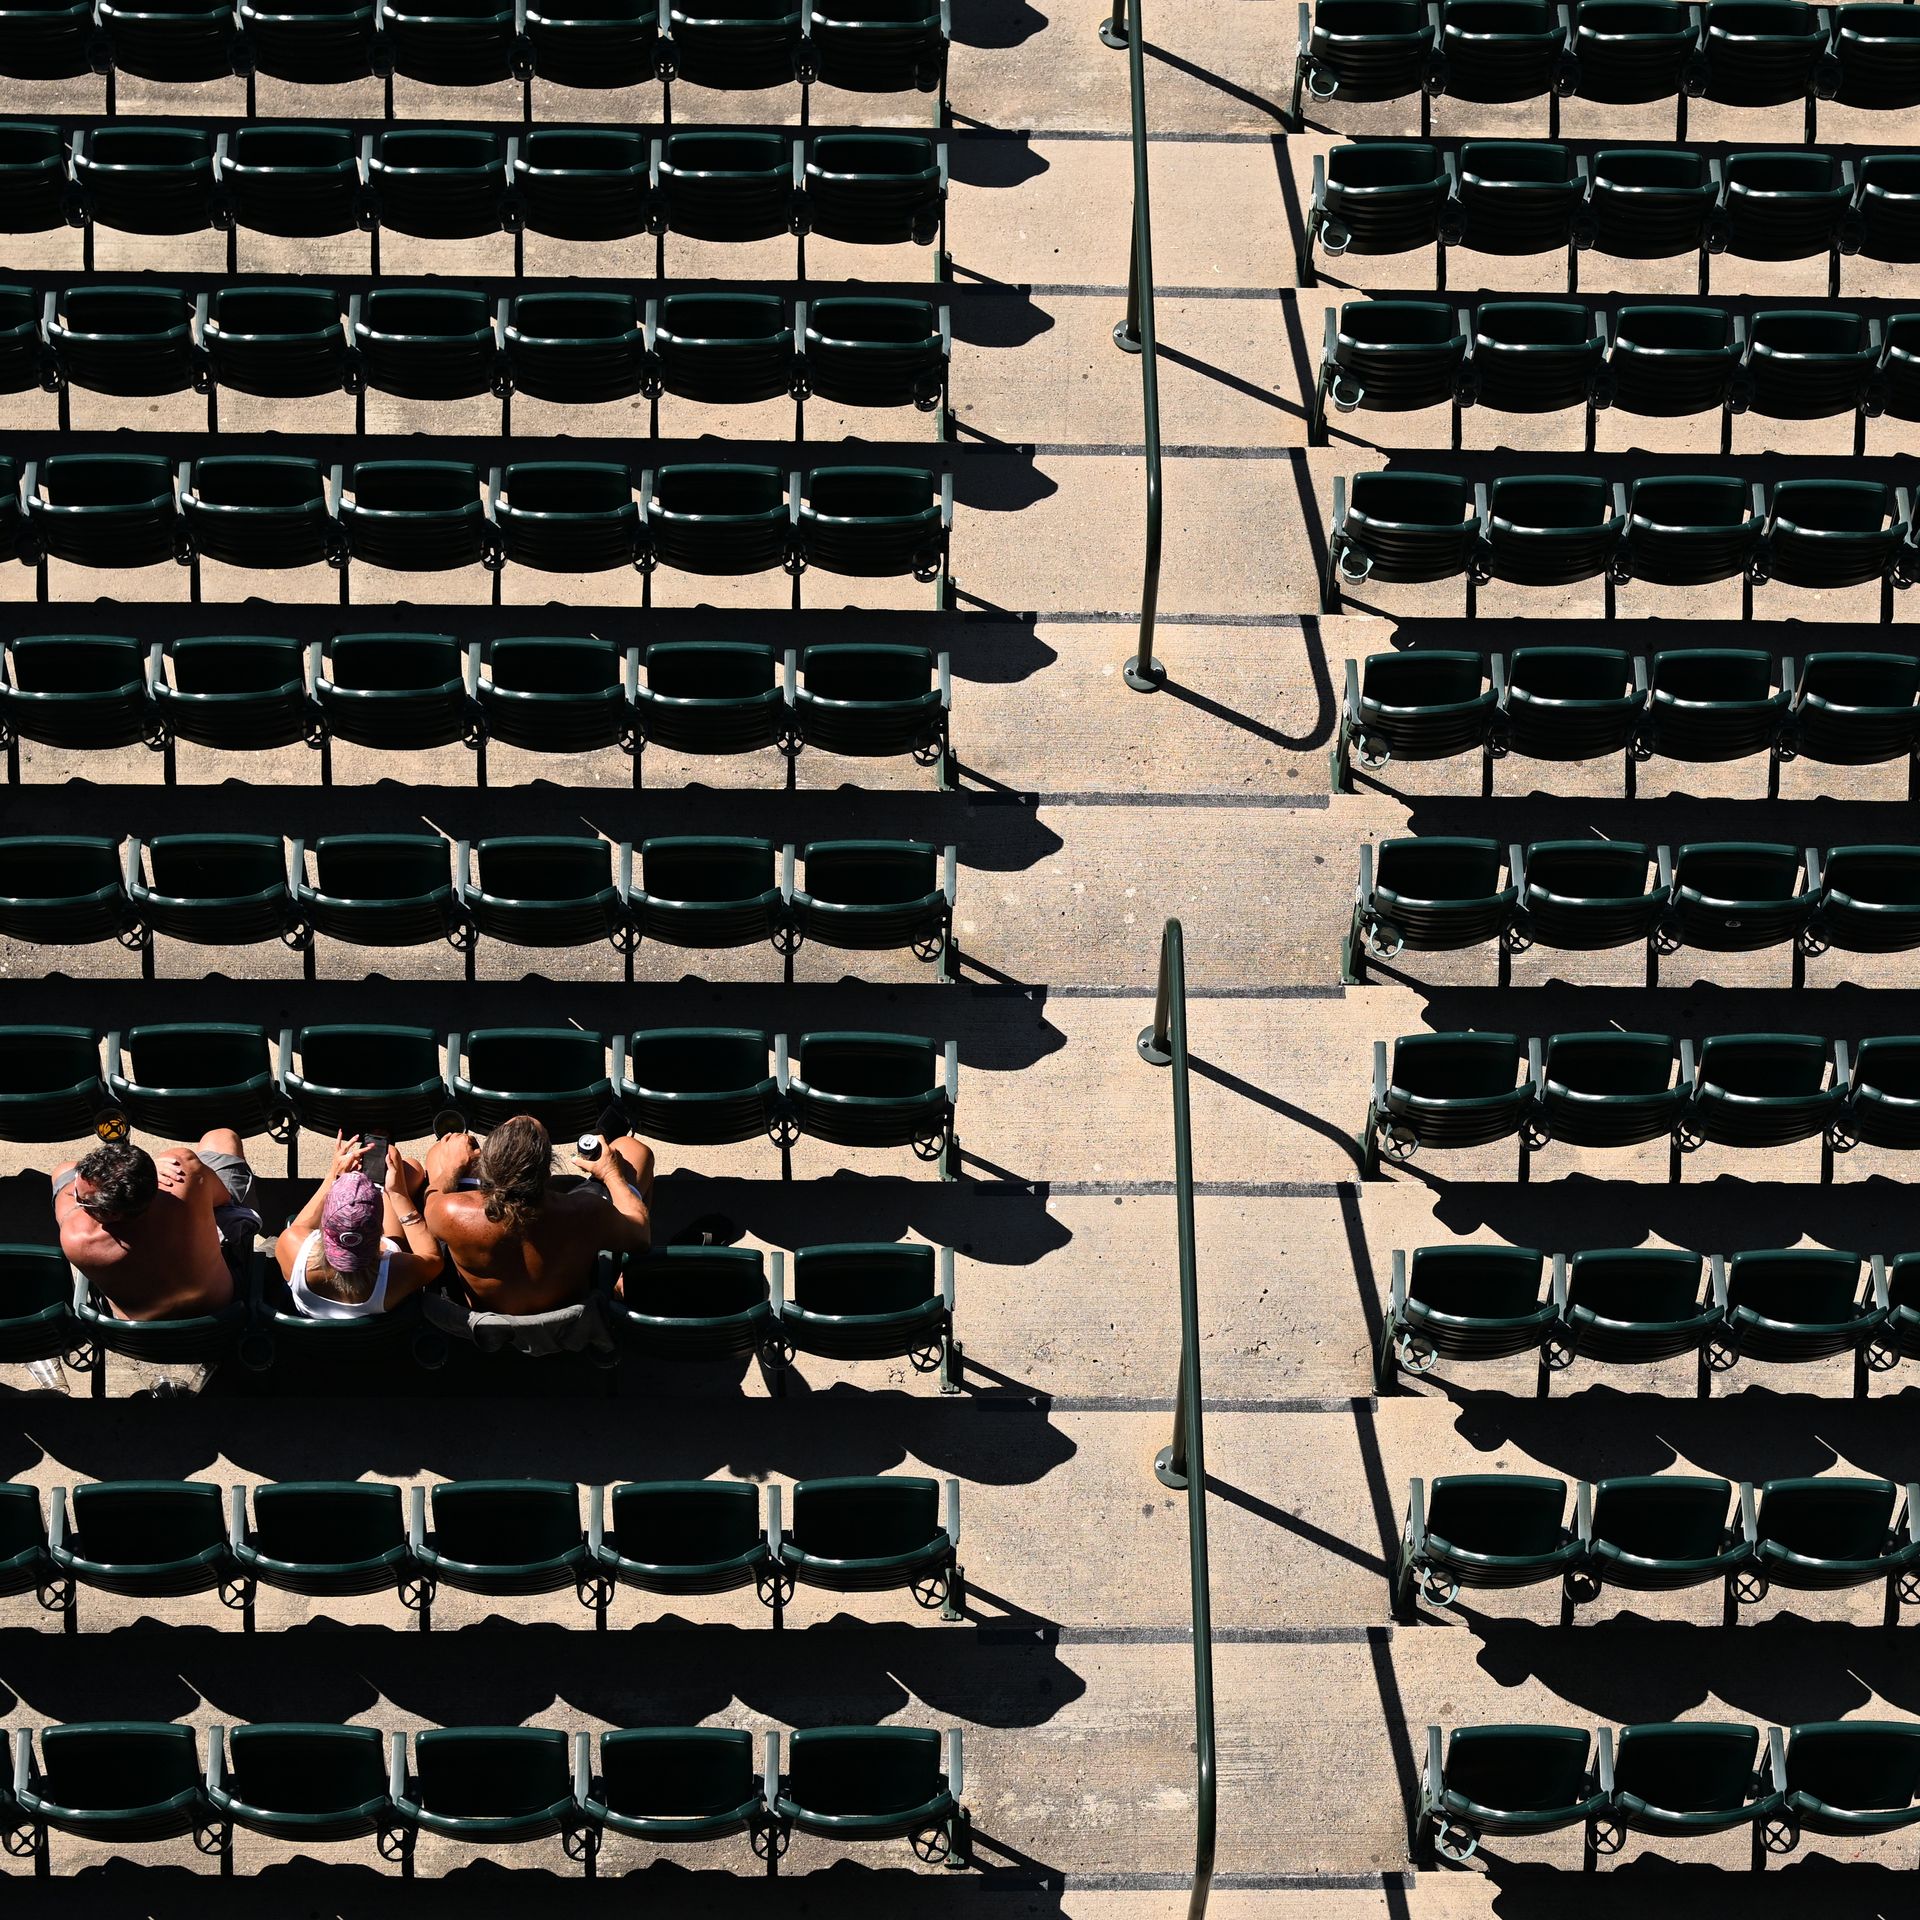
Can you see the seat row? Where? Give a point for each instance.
(402, 692)
(1636, 1306)
(856, 1301)
(1514, 197)
(1674, 1780)
(507, 1539)
(579, 347)
(1554, 529)
(1659, 361)
(1742, 53)
(861, 46)
(1699, 705)
(140, 1782)
(457, 183)
(688, 1086)
(1442, 894)
(386, 890)
(1448, 1091)
(1657, 1533)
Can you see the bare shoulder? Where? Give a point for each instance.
(88, 1244)
(464, 1213)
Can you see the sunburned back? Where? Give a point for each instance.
(162, 1264)
(550, 1264)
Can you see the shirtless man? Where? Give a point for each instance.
(519, 1247)
(150, 1233)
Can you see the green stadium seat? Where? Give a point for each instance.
(707, 892)
(324, 1538)
(1762, 1090)
(1387, 356)
(1548, 530)
(730, 43)
(1628, 52)
(871, 1783)
(1475, 1530)
(579, 183)
(1505, 1780)
(61, 890)
(119, 1781)
(263, 511)
(24, 361)
(1684, 530)
(576, 347)
(1763, 53)
(542, 890)
(1604, 1089)
(1399, 527)
(1839, 1531)
(859, 351)
(876, 1301)
(711, 696)
(441, 183)
(873, 1536)
(868, 700)
(876, 46)
(1809, 364)
(34, 194)
(139, 177)
(1362, 50)
(278, 1334)
(1499, 50)
(1866, 900)
(726, 186)
(557, 1074)
(152, 1539)
(310, 41)
(1900, 1333)
(1900, 366)
(449, 43)
(555, 694)
(103, 510)
(1714, 703)
(46, 39)
(24, 1566)
(170, 40)
(1665, 361)
(1682, 1780)
(1425, 704)
(697, 1304)
(1734, 896)
(873, 522)
(873, 189)
(489, 1786)
(50, 1087)
(283, 342)
(566, 516)
(1516, 197)
(129, 340)
(1532, 356)
(185, 1340)
(1435, 893)
(715, 518)
(1465, 1303)
(676, 1784)
(680, 1536)
(376, 889)
(1568, 703)
(242, 693)
(397, 691)
(183, 1079)
(300, 181)
(364, 1079)
(724, 349)
(1886, 208)
(696, 1086)
(1582, 896)
(36, 1285)
(1631, 1306)
(1784, 205)
(870, 896)
(213, 889)
(1659, 1533)
(1852, 1778)
(1853, 709)
(500, 1537)
(615, 45)
(1386, 196)
(422, 343)
(1646, 203)
(1800, 1304)
(1835, 533)
(1877, 51)
(1882, 1078)
(300, 1782)
(875, 1090)
(422, 516)
(1445, 1090)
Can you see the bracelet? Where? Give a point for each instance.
(410, 1219)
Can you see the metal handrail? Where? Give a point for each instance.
(1135, 334)
(1183, 1465)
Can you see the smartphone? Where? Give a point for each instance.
(373, 1163)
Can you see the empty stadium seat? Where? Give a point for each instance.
(1481, 1530)
(1433, 894)
(1498, 50)
(40, 41)
(375, 889)
(170, 40)
(711, 697)
(1586, 895)
(102, 510)
(578, 347)
(61, 889)
(152, 1539)
(1685, 530)
(300, 1782)
(542, 890)
(1786, 205)
(1761, 1090)
(1624, 52)
(1853, 709)
(128, 340)
(1877, 52)
(1387, 356)
(182, 1079)
(422, 516)
(1362, 50)
(1633, 1305)
(1835, 1532)
(867, 700)
(1831, 533)
(1387, 196)
(498, 1537)
(441, 183)
(1516, 197)
(875, 521)
(1865, 899)
(1763, 53)
(1810, 364)
(1713, 703)
(866, 896)
(1646, 203)
(1886, 208)
(1734, 896)
(310, 41)
(1659, 1533)
(488, 1786)
(555, 694)
(50, 1086)
(871, 1783)
(680, 1536)
(572, 516)
(24, 1566)
(396, 691)
(714, 518)
(677, 1783)
(730, 43)
(1445, 1090)
(1466, 1303)
(325, 1538)
(616, 44)
(1800, 1304)
(121, 1781)
(34, 173)
(362, 1078)
(697, 1304)
(876, 1090)
(1504, 1780)
(299, 181)
(726, 186)
(725, 349)
(1604, 1089)
(557, 1074)
(261, 511)
(579, 183)
(1399, 527)
(1668, 361)
(873, 1301)
(1852, 1778)
(875, 46)
(242, 693)
(1882, 1077)
(1532, 356)
(140, 177)
(423, 343)
(697, 1086)
(213, 889)
(860, 351)
(873, 1536)
(82, 692)
(1547, 530)
(283, 342)
(875, 189)
(1681, 1780)
(708, 892)
(1424, 704)
(1568, 703)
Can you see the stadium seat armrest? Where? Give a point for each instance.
(397, 1768)
(133, 864)
(1877, 1275)
(1717, 1275)
(1816, 870)
(946, 1281)
(777, 1282)
(1380, 1075)
(624, 858)
(1363, 886)
(770, 1754)
(953, 1073)
(1842, 1064)
(1910, 1518)
(473, 669)
(582, 1768)
(416, 1520)
(216, 1759)
(1663, 858)
(1536, 1067)
(1306, 29)
(57, 1496)
(786, 874)
(1788, 676)
(776, 1529)
(283, 1065)
(462, 870)
(1749, 1515)
(1497, 664)
(156, 668)
(236, 1518)
(1603, 1761)
(1777, 1759)
(1397, 1285)
(22, 1760)
(782, 1074)
(953, 1512)
(1436, 1779)
(1416, 1517)
(956, 1761)
(1689, 1069)
(946, 501)
(944, 667)
(113, 1055)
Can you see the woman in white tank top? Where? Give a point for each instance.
(357, 1249)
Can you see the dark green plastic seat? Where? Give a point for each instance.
(1801, 1303)
(1389, 356)
(24, 1565)
(676, 1783)
(1736, 896)
(139, 177)
(50, 1087)
(311, 41)
(1403, 527)
(375, 889)
(1433, 894)
(1886, 207)
(1783, 205)
(555, 694)
(300, 1782)
(502, 1537)
(1505, 1780)
(1658, 1533)
(23, 356)
(1498, 50)
(871, 1535)
(707, 892)
(1877, 52)
(698, 1086)
(284, 342)
(397, 691)
(1532, 356)
(1647, 203)
(130, 340)
(1547, 530)
(449, 43)
(1854, 709)
(243, 693)
(876, 46)
(264, 511)
(1713, 703)
(1569, 703)
(1625, 52)
(1820, 1536)
(153, 1539)
(46, 39)
(1516, 196)
(442, 183)
(1425, 704)
(33, 176)
(1447, 1090)
(871, 1301)
(1606, 1089)
(1362, 50)
(875, 189)
(722, 348)
(735, 44)
(361, 1078)
(873, 522)
(121, 1781)
(214, 889)
(185, 1340)
(1900, 1333)
(714, 518)
(1808, 364)
(490, 1786)
(1482, 1530)
(1762, 53)
(1833, 533)
(1386, 196)
(1866, 899)
(174, 40)
(1689, 1778)
(872, 701)
(726, 186)
(615, 43)
(1852, 1778)
(1883, 1094)
(580, 183)
(871, 896)
(875, 1090)
(557, 1074)
(36, 1285)
(423, 343)
(541, 890)
(1582, 896)
(867, 1783)
(695, 1303)
(711, 696)
(1763, 1090)
(326, 1538)
(579, 347)
(567, 516)
(859, 351)
(681, 1536)
(61, 889)
(1466, 1303)
(423, 516)
(280, 1335)
(1684, 530)
(295, 180)
(104, 510)
(182, 1080)
(1630, 1306)
(1667, 361)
